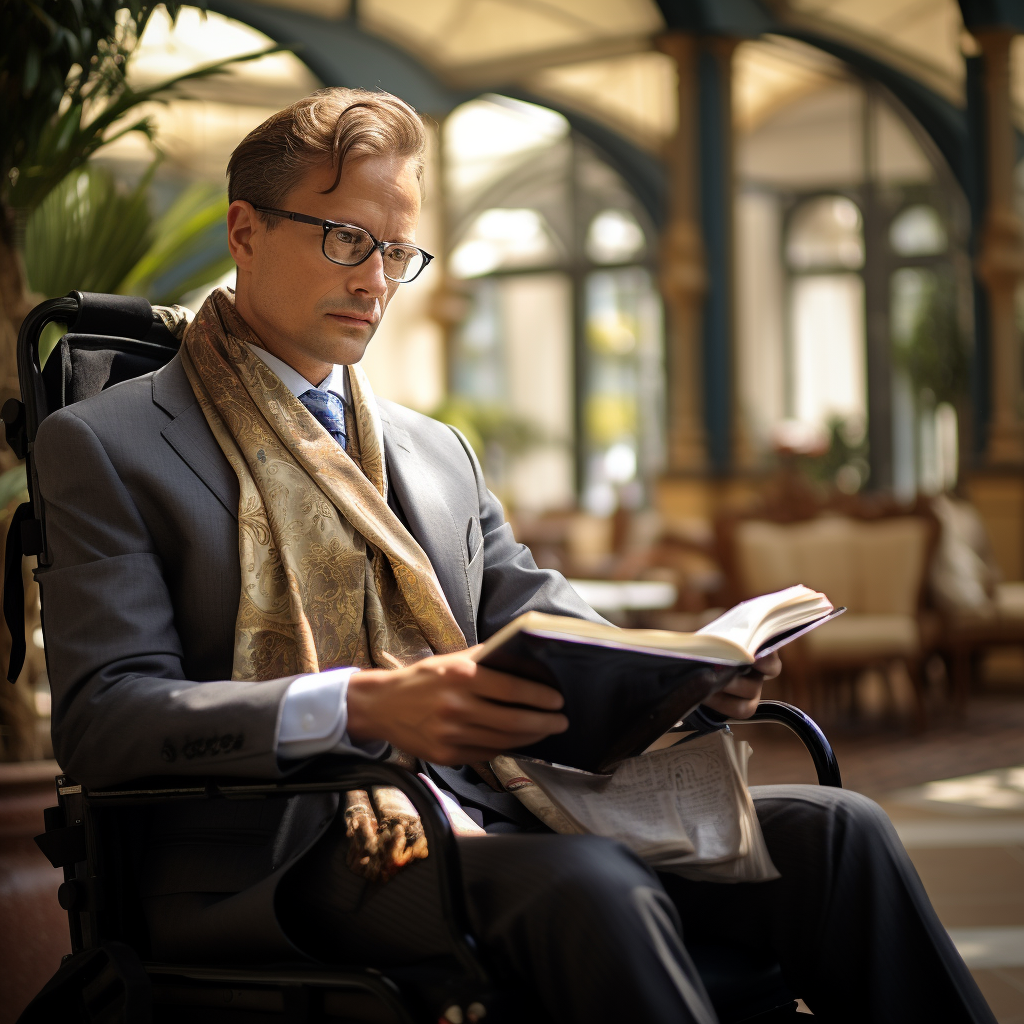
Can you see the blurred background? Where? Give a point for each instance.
(727, 297)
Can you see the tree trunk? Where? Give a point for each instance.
(22, 735)
(15, 300)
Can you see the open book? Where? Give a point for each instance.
(625, 687)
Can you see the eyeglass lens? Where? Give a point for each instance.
(348, 246)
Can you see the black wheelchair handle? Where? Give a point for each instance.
(817, 744)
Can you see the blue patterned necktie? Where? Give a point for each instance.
(328, 410)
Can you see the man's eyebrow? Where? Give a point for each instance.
(353, 224)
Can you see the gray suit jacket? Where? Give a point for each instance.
(141, 593)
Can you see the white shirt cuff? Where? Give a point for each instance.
(314, 717)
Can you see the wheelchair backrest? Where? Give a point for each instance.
(109, 339)
(83, 365)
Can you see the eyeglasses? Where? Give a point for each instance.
(348, 246)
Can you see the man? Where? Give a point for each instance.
(254, 561)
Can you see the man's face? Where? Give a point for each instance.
(308, 311)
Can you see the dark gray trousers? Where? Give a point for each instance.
(597, 936)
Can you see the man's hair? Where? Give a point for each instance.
(324, 128)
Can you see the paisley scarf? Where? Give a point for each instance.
(330, 576)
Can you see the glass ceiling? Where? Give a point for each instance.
(595, 56)
(463, 34)
(924, 38)
(581, 48)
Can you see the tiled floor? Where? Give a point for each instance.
(966, 839)
(965, 833)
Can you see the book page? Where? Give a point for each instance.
(658, 641)
(750, 623)
(732, 639)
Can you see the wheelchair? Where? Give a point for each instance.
(94, 835)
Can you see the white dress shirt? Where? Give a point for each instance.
(314, 713)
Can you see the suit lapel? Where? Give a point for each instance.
(430, 522)
(190, 436)
(420, 494)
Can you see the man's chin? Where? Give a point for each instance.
(347, 343)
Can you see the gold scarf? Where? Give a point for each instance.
(330, 576)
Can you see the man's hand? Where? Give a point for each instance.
(739, 699)
(444, 709)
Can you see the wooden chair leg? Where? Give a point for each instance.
(961, 678)
(915, 669)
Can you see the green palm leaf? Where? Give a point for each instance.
(92, 234)
(87, 233)
(13, 485)
(189, 248)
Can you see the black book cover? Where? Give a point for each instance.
(618, 701)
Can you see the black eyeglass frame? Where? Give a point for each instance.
(330, 225)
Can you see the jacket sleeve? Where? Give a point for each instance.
(122, 708)
(512, 582)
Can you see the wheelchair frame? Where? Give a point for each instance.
(104, 978)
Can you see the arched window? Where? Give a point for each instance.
(864, 332)
(929, 357)
(917, 231)
(826, 362)
(562, 340)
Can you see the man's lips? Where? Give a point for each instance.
(354, 318)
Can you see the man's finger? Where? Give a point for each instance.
(745, 687)
(513, 690)
(478, 711)
(476, 735)
(391, 802)
(397, 855)
(767, 667)
(416, 840)
(477, 745)
(732, 706)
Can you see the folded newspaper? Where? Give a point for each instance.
(684, 809)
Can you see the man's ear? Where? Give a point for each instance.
(244, 228)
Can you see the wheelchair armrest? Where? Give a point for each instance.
(810, 734)
(328, 773)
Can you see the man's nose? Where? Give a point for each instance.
(368, 278)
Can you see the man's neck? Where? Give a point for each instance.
(314, 370)
(296, 383)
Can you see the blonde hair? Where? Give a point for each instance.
(326, 127)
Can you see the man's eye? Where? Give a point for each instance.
(347, 237)
(399, 255)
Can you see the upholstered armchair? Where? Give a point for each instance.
(876, 567)
(979, 611)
